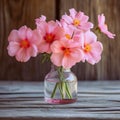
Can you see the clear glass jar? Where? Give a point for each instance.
(60, 86)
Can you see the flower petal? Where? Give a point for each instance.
(51, 26)
(36, 37)
(13, 36)
(72, 12)
(44, 47)
(68, 62)
(90, 37)
(22, 55)
(56, 59)
(101, 19)
(59, 33)
(76, 54)
(86, 26)
(110, 35)
(41, 27)
(32, 51)
(22, 32)
(40, 19)
(67, 18)
(29, 33)
(56, 47)
(13, 48)
(97, 47)
(95, 58)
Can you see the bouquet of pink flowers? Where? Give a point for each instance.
(65, 42)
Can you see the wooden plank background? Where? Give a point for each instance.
(15, 13)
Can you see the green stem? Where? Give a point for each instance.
(61, 92)
(45, 57)
(60, 73)
(63, 88)
(68, 91)
(62, 85)
(54, 90)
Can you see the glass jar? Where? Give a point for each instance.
(60, 86)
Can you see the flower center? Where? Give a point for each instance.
(25, 43)
(68, 36)
(87, 48)
(76, 22)
(49, 37)
(66, 50)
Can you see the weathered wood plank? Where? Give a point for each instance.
(25, 100)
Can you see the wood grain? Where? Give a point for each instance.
(25, 100)
(15, 13)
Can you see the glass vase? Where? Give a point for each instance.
(60, 86)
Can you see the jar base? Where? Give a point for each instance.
(59, 101)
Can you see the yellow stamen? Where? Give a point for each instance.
(66, 50)
(24, 43)
(68, 36)
(76, 22)
(87, 48)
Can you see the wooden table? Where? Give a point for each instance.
(24, 101)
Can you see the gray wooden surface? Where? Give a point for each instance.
(24, 101)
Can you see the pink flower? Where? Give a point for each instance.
(92, 48)
(40, 20)
(103, 27)
(72, 34)
(77, 20)
(66, 53)
(50, 32)
(23, 43)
